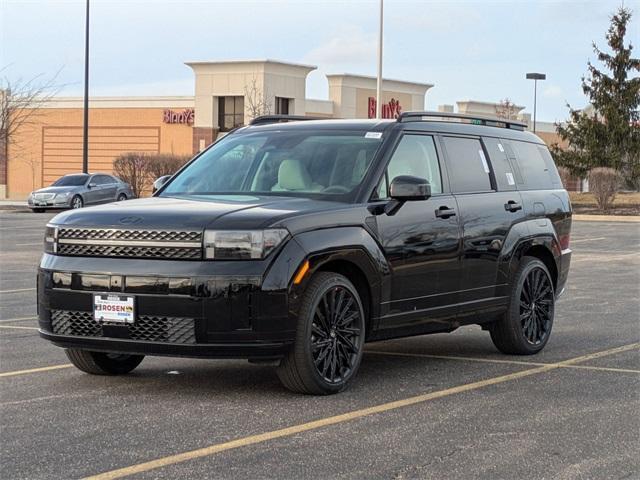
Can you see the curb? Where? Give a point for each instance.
(607, 218)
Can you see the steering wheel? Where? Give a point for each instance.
(336, 189)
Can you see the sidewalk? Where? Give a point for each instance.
(14, 205)
(606, 218)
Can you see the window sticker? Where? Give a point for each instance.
(373, 135)
(484, 161)
(500, 147)
(510, 179)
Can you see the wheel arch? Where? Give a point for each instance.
(349, 251)
(536, 238)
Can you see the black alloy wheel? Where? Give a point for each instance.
(329, 338)
(122, 197)
(526, 326)
(335, 334)
(536, 306)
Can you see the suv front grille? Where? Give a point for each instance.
(130, 252)
(123, 234)
(146, 327)
(130, 243)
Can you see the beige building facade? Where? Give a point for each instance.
(227, 94)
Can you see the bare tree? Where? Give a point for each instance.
(506, 109)
(256, 100)
(34, 165)
(20, 104)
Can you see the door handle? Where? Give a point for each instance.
(445, 212)
(512, 206)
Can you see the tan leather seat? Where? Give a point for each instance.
(293, 176)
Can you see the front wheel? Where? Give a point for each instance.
(329, 338)
(98, 363)
(526, 326)
(76, 202)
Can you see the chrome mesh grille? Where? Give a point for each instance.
(44, 196)
(127, 234)
(146, 327)
(168, 252)
(130, 243)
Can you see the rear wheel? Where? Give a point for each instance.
(76, 202)
(99, 363)
(526, 327)
(329, 338)
(122, 197)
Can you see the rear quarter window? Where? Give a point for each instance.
(534, 166)
(505, 176)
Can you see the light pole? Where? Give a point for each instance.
(85, 128)
(535, 77)
(379, 82)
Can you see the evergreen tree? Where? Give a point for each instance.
(608, 135)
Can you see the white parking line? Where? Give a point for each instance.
(587, 240)
(18, 290)
(16, 327)
(19, 319)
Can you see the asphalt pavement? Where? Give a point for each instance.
(429, 407)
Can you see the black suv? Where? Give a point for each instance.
(295, 242)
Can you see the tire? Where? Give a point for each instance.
(37, 210)
(77, 202)
(336, 347)
(98, 363)
(122, 197)
(526, 326)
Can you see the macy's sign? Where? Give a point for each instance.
(389, 110)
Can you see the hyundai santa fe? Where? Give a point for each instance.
(293, 242)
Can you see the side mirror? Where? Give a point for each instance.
(159, 183)
(406, 188)
(92, 185)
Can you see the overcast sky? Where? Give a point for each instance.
(476, 50)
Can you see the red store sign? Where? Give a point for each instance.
(185, 117)
(389, 110)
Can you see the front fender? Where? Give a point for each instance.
(346, 244)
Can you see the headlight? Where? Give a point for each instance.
(51, 239)
(242, 244)
(63, 195)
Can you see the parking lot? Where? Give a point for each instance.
(439, 406)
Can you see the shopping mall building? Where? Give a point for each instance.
(227, 94)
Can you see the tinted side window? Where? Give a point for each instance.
(535, 165)
(502, 169)
(415, 155)
(101, 180)
(468, 167)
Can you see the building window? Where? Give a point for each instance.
(282, 106)
(230, 113)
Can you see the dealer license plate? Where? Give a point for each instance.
(113, 308)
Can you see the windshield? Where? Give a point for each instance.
(298, 163)
(70, 181)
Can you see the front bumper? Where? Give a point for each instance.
(184, 308)
(54, 203)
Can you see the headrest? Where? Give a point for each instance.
(292, 175)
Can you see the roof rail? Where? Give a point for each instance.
(267, 119)
(460, 118)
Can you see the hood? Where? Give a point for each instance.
(220, 211)
(58, 189)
